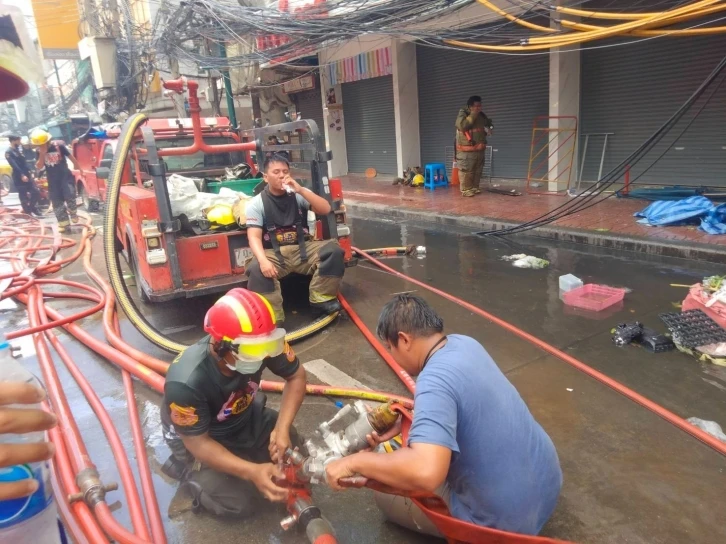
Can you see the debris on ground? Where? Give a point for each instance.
(593, 297)
(709, 296)
(499, 191)
(713, 283)
(568, 282)
(693, 328)
(636, 333)
(412, 177)
(696, 334)
(710, 427)
(522, 260)
(681, 212)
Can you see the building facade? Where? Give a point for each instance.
(389, 104)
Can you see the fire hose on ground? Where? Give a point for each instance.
(77, 485)
(80, 491)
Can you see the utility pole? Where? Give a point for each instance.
(228, 88)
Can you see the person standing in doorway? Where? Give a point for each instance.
(472, 128)
(23, 177)
(61, 183)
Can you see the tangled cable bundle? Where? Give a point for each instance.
(523, 28)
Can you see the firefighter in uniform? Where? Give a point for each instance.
(472, 127)
(61, 182)
(278, 234)
(225, 443)
(23, 177)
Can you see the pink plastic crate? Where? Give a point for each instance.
(593, 297)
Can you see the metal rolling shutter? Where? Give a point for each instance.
(370, 127)
(633, 89)
(310, 106)
(513, 89)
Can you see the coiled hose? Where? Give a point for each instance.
(113, 264)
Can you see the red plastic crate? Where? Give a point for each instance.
(593, 297)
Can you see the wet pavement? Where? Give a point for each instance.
(629, 475)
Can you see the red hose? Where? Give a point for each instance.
(81, 523)
(112, 333)
(86, 520)
(70, 523)
(60, 322)
(147, 484)
(77, 449)
(149, 377)
(657, 409)
(117, 448)
(113, 528)
(400, 372)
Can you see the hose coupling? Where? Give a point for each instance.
(302, 512)
(92, 490)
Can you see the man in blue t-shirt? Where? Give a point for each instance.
(473, 440)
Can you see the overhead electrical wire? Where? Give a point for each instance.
(576, 38)
(519, 30)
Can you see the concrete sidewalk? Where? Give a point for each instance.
(609, 224)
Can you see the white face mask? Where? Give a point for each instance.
(245, 367)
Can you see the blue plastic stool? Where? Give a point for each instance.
(435, 175)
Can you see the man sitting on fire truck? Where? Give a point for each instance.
(280, 241)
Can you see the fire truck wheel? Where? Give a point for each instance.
(133, 264)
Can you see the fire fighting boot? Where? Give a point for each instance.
(176, 468)
(327, 307)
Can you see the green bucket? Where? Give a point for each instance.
(245, 186)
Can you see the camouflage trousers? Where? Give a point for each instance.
(63, 197)
(325, 264)
(470, 164)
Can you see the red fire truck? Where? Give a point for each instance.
(168, 260)
(95, 150)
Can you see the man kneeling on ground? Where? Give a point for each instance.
(223, 439)
(277, 229)
(473, 440)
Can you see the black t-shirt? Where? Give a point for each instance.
(199, 399)
(56, 166)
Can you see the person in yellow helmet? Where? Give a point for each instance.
(61, 182)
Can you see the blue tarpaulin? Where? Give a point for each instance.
(686, 211)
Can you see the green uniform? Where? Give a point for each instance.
(471, 143)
